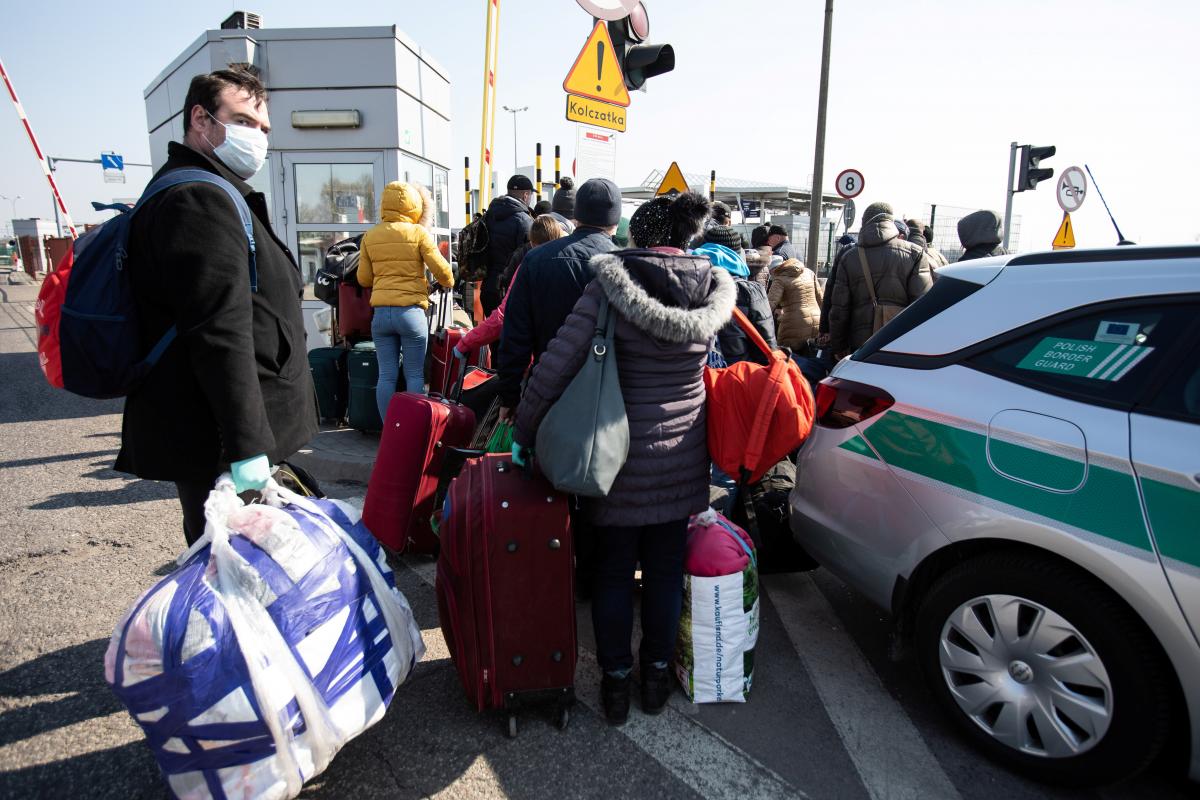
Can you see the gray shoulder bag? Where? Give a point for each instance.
(584, 438)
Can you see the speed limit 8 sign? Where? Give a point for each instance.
(849, 183)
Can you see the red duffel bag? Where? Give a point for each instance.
(756, 414)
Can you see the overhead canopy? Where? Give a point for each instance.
(777, 199)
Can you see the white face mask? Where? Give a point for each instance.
(244, 150)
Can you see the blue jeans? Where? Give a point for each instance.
(396, 329)
(660, 549)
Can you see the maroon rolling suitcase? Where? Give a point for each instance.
(417, 434)
(505, 587)
(354, 312)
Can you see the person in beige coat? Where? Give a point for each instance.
(795, 297)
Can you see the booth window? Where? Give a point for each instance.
(336, 193)
(435, 179)
(313, 245)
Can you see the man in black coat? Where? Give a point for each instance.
(233, 391)
(508, 220)
(550, 282)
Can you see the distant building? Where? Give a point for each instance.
(351, 109)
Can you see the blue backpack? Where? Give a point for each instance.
(99, 344)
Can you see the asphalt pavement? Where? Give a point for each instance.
(831, 714)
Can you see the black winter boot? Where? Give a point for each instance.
(614, 696)
(656, 688)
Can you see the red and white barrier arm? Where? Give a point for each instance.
(37, 150)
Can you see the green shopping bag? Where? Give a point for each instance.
(501, 440)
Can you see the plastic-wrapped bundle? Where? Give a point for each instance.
(280, 637)
(718, 629)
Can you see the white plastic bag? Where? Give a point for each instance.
(280, 637)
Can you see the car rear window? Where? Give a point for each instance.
(946, 291)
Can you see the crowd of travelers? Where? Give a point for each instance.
(235, 394)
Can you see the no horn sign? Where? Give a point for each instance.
(593, 112)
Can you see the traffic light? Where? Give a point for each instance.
(1031, 156)
(639, 61)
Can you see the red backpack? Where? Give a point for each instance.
(756, 414)
(46, 313)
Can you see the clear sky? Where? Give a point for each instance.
(925, 95)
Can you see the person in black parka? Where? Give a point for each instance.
(508, 220)
(234, 387)
(551, 279)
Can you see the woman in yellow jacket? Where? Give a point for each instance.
(392, 261)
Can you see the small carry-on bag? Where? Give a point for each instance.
(417, 434)
(280, 637)
(362, 369)
(505, 588)
(354, 312)
(328, 367)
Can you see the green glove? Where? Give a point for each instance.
(251, 473)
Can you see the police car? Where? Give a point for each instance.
(1012, 468)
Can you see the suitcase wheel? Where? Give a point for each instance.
(511, 732)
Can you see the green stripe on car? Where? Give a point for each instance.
(1106, 504)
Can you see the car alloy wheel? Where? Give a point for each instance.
(1026, 676)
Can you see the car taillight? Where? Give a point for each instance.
(841, 403)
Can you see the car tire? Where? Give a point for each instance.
(1091, 710)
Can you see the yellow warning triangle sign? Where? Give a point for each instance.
(1065, 238)
(596, 73)
(673, 181)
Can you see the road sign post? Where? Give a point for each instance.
(1072, 188)
(596, 75)
(593, 112)
(849, 183)
(1065, 238)
(673, 182)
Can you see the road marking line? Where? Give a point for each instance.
(892, 759)
(699, 757)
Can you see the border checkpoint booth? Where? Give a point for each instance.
(351, 109)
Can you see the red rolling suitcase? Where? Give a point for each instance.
(444, 335)
(417, 433)
(354, 312)
(505, 587)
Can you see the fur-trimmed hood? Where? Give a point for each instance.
(407, 202)
(674, 298)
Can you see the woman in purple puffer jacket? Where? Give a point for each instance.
(669, 307)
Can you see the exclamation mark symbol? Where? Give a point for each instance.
(599, 64)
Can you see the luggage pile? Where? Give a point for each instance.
(346, 373)
(279, 638)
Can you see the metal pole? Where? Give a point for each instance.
(515, 161)
(488, 123)
(829, 245)
(815, 202)
(467, 187)
(537, 167)
(932, 218)
(712, 186)
(1008, 196)
(557, 166)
